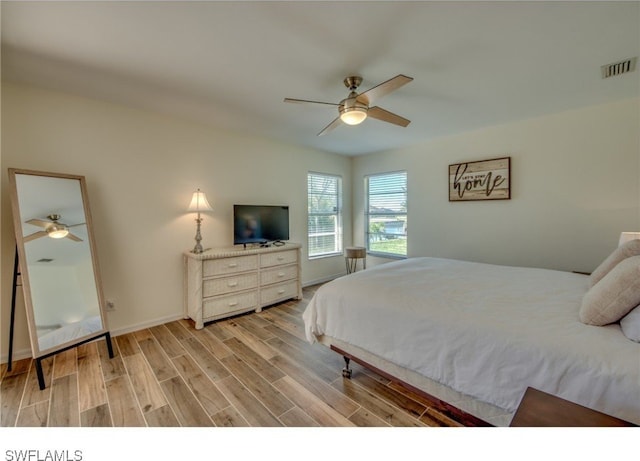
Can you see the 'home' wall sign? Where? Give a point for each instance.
(482, 180)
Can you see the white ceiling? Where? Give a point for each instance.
(231, 64)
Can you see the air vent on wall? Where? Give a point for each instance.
(618, 68)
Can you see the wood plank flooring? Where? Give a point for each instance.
(252, 370)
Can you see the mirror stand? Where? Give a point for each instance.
(38, 360)
(16, 274)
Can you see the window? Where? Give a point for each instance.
(324, 196)
(386, 213)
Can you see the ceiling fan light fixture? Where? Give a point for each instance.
(352, 112)
(354, 115)
(56, 231)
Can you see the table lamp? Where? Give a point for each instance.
(198, 204)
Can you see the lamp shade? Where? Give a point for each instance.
(626, 236)
(199, 202)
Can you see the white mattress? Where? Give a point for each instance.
(484, 330)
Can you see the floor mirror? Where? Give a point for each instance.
(57, 263)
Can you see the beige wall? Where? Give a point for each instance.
(575, 187)
(141, 169)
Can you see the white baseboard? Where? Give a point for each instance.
(309, 283)
(17, 355)
(26, 353)
(149, 324)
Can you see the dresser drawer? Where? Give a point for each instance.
(226, 305)
(280, 257)
(278, 274)
(221, 286)
(224, 266)
(274, 293)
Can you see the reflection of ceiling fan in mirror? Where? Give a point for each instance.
(355, 108)
(52, 228)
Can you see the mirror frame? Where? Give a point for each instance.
(39, 354)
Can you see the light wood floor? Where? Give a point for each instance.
(251, 370)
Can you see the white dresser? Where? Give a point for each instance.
(222, 282)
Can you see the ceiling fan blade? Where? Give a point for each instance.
(35, 235)
(74, 237)
(330, 126)
(76, 225)
(304, 101)
(369, 96)
(39, 222)
(386, 116)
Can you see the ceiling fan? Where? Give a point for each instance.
(52, 228)
(355, 108)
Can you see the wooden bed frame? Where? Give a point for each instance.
(460, 407)
(464, 418)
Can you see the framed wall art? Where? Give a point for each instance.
(480, 180)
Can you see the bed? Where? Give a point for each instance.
(474, 336)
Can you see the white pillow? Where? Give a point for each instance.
(630, 324)
(624, 251)
(614, 296)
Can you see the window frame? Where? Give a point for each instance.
(368, 214)
(338, 210)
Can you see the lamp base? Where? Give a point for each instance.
(198, 248)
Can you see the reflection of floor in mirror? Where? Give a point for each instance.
(251, 370)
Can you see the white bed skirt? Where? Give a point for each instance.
(488, 413)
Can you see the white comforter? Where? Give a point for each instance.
(485, 330)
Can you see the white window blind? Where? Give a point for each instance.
(386, 213)
(324, 194)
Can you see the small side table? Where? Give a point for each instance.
(351, 256)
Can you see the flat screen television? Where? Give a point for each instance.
(260, 224)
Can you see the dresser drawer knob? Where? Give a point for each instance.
(280, 258)
(232, 284)
(233, 303)
(233, 265)
(280, 291)
(280, 274)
